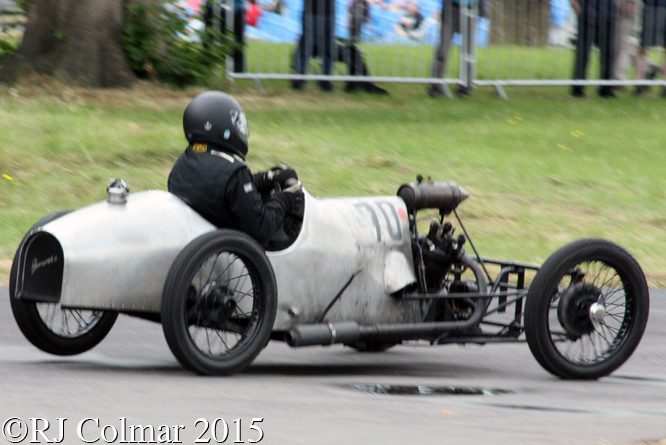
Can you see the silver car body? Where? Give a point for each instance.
(117, 256)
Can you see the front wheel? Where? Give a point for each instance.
(219, 303)
(49, 326)
(586, 309)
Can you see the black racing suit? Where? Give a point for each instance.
(220, 187)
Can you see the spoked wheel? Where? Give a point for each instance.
(219, 303)
(586, 309)
(61, 331)
(49, 326)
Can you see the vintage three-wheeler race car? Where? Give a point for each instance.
(352, 271)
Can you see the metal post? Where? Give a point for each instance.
(468, 19)
(520, 285)
(504, 286)
(225, 7)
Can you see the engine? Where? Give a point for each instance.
(439, 250)
(439, 256)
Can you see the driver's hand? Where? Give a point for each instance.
(275, 179)
(282, 176)
(291, 198)
(295, 187)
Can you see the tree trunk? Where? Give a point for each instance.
(76, 40)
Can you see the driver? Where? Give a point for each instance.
(212, 177)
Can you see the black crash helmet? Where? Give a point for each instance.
(216, 118)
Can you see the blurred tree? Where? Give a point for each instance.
(78, 41)
(519, 22)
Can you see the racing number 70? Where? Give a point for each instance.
(390, 216)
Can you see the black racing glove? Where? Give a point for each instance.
(266, 181)
(282, 176)
(291, 198)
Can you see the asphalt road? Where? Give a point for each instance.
(312, 395)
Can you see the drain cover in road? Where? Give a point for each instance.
(427, 390)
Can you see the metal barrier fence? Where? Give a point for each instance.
(494, 42)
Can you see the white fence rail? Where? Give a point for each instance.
(496, 43)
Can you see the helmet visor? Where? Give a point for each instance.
(239, 121)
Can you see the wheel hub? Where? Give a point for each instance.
(581, 309)
(597, 313)
(214, 305)
(217, 296)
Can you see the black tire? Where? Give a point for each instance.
(50, 327)
(219, 303)
(586, 309)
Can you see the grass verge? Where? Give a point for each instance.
(543, 169)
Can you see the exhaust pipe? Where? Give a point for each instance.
(351, 332)
(323, 334)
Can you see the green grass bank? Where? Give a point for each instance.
(542, 168)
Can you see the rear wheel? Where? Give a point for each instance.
(586, 309)
(49, 326)
(219, 303)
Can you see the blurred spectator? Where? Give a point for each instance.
(654, 34)
(396, 5)
(192, 15)
(316, 37)
(596, 25)
(215, 6)
(349, 54)
(624, 28)
(627, 46)
(253, 13)
(276, 6)
(409, 25)
(450, 17)
(359, 13)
